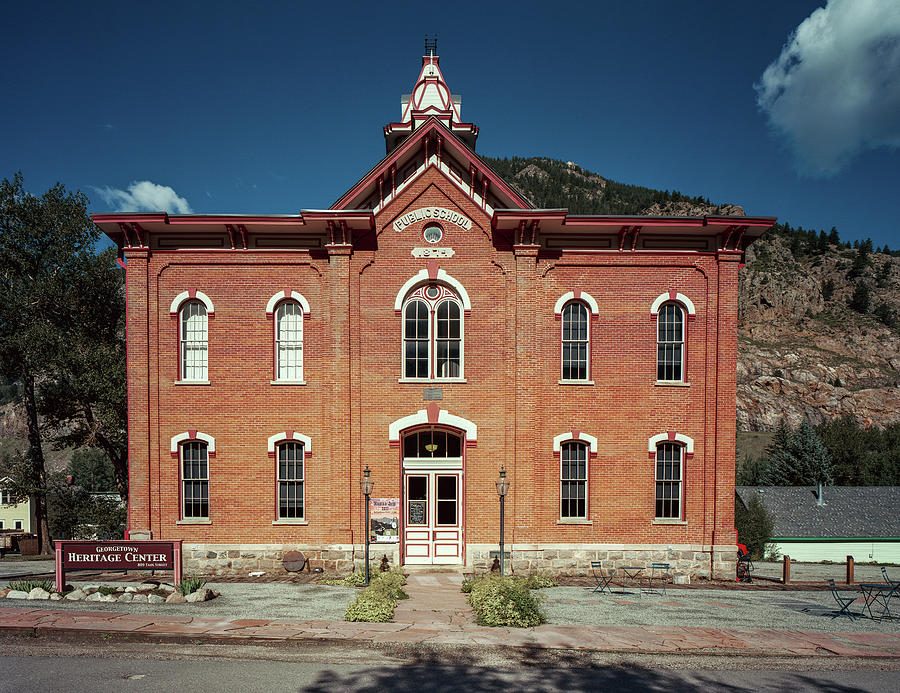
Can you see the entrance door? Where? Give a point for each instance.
(432, 517)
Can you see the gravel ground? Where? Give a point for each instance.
(237, 600)
(783, 610)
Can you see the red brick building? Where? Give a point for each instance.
(433, 326)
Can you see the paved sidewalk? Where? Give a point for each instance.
(436, 614)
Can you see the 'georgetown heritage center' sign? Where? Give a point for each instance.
(116, 555)
(433, 214)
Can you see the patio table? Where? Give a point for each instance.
(879, 594)
(632, 573)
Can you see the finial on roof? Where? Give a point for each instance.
(431, 45)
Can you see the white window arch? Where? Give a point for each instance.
(669, 452)
(193, 450)
(432, 327)
(288, 310)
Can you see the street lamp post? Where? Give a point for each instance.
(502, 488)
(366, 487)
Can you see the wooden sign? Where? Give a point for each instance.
(116, 555)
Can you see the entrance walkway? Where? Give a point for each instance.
(434, 600)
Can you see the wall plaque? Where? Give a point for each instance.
(433, 252)
(432, 393)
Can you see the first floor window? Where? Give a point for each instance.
(17, 524)
(573, 478)
(668, 481)
(290, 481)
(195, 481)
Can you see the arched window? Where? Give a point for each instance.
(289, 341)
(432, 334)
(575, 341)
(669, 481)
(290, 481)
(670, 343)
(194, 481)
(194, 337)
(573, 480)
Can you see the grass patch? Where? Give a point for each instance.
(504, 601)
(28, 585)
(375, 604)
(106, 590)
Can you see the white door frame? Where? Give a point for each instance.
(431, 543)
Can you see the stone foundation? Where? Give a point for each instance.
(241, 559)
(692, 561)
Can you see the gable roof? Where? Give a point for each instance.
(432, 144)
(849, 511)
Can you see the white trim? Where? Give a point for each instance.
(569, 435)
(664, 438)
(429, 464)
(679, 298)
(421, 277)
(185, 295)
(570, 296)
(420, 418)
(186, 436)
(281, 295)
(282, 437)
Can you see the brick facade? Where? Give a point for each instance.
(350, 273)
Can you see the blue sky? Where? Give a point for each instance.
(240, 107)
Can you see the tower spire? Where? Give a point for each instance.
(431, 48)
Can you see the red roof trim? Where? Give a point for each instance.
(410, 143)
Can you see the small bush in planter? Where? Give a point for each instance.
(28, 585)
(504, 601)
(539, 580)
(189, 585)
(376, 603)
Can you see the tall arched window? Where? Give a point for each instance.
(194, 337)
(573, 480)
(669, 481)
(194, 481)
(290, 481)
(670, 343)
(575, 341)
(289, 341)
(432, 334)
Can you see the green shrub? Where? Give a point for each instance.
(372, 606)
(467, 585)
(504, 601)
(376, 603)
(106, 590)
(539, 580)
(189, 585)
(28, 585)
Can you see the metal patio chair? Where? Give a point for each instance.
(602, 580)
(843, 602)
(658, 572)
(887, 578)
(744, 568)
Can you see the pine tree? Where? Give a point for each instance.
(833, 236)
(861, 299)
(803, 460)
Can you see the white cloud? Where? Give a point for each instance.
(835, 89)
(144, 196)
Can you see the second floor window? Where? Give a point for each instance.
(575, 341)
(194, 337)
(432, 334)
(289, 341)
(670, 343)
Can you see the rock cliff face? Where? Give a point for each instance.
(802, 356)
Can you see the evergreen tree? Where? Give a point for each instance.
(827, 290)
(861, 299)
(754, 524)
(803, 461)
(833, 236)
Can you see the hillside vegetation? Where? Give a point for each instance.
(818, 333)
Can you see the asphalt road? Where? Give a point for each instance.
(140, 667)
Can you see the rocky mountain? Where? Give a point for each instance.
(803, 352)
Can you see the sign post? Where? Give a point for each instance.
(116, 555)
